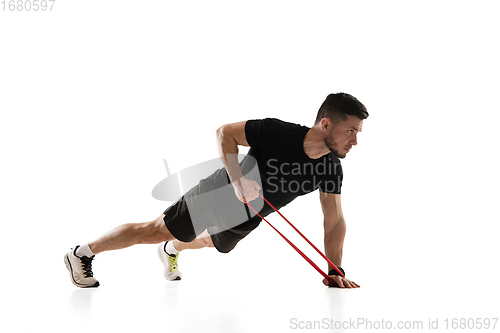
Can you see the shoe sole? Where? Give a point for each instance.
(70, 269)
(161, 258)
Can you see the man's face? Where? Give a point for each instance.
(341, 137)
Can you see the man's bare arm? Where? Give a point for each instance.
(335, 229)
(229, 137)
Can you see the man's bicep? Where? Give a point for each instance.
(235, 131)
(331, 206)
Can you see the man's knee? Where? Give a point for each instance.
(156, 231)
(206, 239)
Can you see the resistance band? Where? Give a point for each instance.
(293, 245)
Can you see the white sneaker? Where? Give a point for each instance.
(80, 269)
(171, 272)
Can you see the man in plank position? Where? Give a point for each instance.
(285, 161)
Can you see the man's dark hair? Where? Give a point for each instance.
(336, 107)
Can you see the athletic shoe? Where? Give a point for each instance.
(171, 271)
(80, 269)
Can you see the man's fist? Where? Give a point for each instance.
(340, 282)
(246, 190)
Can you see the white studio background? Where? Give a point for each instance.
(95, 94)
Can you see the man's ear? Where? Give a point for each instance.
(325, 124)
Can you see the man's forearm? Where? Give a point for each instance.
(334, 240)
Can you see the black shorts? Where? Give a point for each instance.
(178, 222)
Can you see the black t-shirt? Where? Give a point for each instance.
(277, 161)
(285, 170)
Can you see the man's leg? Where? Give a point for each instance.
(203, 240)
(79, 260)
(126, 235)
(224, 240)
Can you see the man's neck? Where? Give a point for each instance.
(314, 145)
